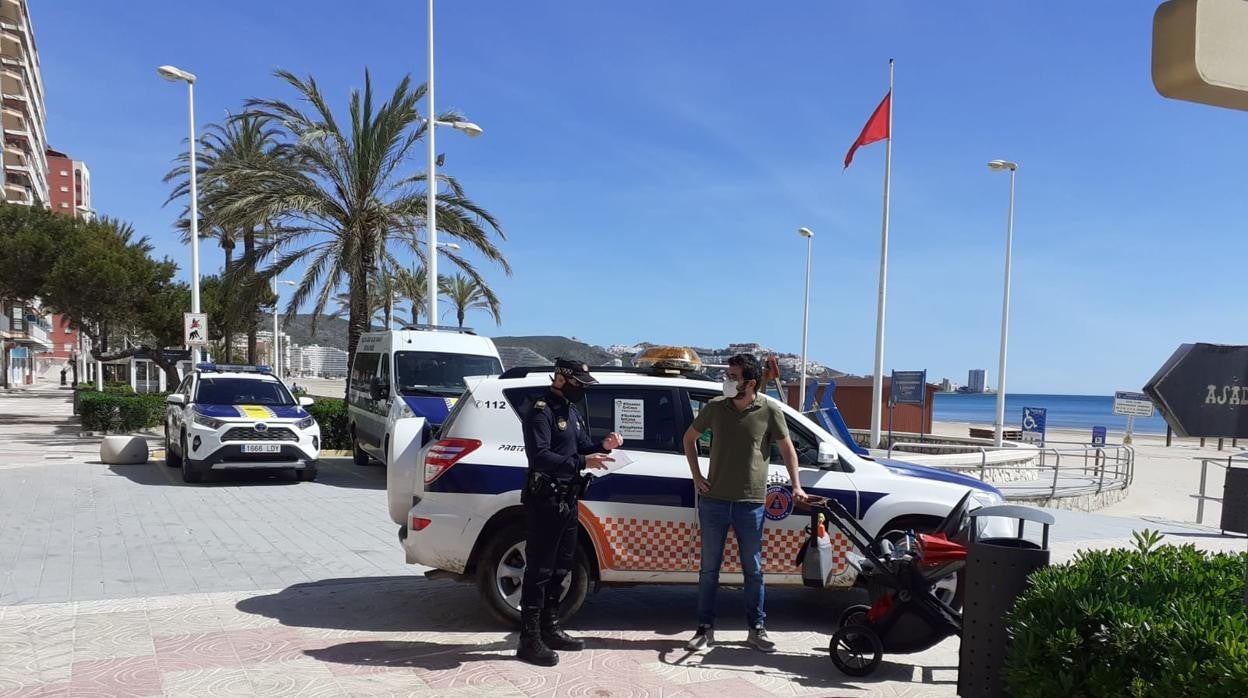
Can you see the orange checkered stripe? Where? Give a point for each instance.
(646, 545)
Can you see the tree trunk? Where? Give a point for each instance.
(459, 314)
(226, 324)
(359, 315)
(252, 317)
(170, 368)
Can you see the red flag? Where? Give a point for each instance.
(876, 128)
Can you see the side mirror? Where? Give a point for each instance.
(306, 401)
(378, 389)
(828, 456)
(175, 399)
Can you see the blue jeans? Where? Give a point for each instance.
(746, 519)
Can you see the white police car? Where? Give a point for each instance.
(459, 504)
(227, 416)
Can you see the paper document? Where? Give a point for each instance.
(621, 459)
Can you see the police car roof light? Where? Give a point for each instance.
(233, 368)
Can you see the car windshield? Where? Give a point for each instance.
(242, 391)
(440, 373)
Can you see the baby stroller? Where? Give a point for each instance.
(899, 570)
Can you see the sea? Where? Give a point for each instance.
(1062, 411)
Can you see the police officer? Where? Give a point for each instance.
(558, 447)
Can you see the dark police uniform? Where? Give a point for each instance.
(556, 442)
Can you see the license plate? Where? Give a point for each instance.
(262, 448)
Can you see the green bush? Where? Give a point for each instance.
(1155, 621)
(331, 415)
(119, 412)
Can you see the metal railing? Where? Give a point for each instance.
(1077, 469)
(1225, 464)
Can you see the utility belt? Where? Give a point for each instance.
(545, 489)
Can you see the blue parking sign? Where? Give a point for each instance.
(1033, 423)
(1098, 436)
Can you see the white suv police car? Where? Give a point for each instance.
(225, 416)
(459, 503)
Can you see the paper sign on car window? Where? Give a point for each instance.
(630, 419)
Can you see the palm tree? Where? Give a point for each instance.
(341, 196)
(246, 141)
(466, 293)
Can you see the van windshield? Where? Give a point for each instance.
(439, 373)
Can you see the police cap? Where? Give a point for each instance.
(576, 370)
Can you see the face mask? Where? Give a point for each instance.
(731, 389)
(574, 393)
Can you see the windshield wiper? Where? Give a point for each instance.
(428, 390)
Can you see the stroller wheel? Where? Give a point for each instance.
(854, 615)
(856, 650)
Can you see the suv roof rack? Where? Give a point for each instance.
(523, 371)
(442, 328)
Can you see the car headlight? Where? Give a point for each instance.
(306, 423)
(987, 499)
(209, 422)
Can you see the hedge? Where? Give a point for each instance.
(118, 412)
(331, 415)
(1155, 621)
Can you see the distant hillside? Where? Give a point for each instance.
(330, 331)
(555, 347)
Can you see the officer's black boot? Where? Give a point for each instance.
(553, 635)
(532, 649)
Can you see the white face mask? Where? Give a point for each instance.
(730, 388)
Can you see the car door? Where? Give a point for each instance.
(174, 413)
(641, 517)
(784, 522)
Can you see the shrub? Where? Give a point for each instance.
(1155, 621)
(119, 412)
(331, 415)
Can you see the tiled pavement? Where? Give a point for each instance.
(119, 581)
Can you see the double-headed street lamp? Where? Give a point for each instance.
(999, 424)
(174, 74)
(801, 387)
(431, 214)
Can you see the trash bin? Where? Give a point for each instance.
(1235, 500)
(996, 575)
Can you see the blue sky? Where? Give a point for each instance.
(652, 161)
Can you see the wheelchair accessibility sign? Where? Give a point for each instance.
(1033, 423)
(779, 503)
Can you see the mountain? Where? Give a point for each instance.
(330, 331)
(556, 347)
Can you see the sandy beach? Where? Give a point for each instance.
(1165, 477)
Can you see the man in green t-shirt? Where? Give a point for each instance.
(743, 425)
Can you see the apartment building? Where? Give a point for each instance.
(69, 185)
(24, 118)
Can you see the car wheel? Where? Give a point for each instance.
(171, 460)
(192, 471)
(307, 473)
(500, 573)
(358, 456)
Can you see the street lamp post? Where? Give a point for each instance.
(999, 424)
(277, 356)
(801, 387)
(431, 213)
(173, 74)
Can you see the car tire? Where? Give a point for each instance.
(504, 548)
(307, 473)
(192, 471)
(171, 460)
(358, 456)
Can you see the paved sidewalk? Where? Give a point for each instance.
(121, 580)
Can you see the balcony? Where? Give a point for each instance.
(18, 194)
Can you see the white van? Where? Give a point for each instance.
(400, 376)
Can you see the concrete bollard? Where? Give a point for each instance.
(123, 450)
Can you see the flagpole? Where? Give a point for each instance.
(877, 383)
